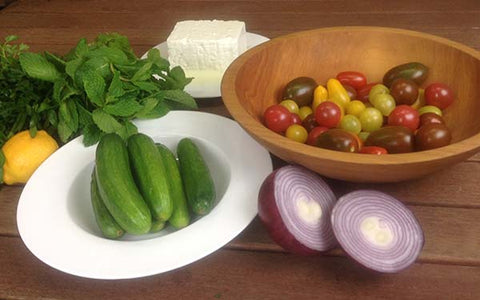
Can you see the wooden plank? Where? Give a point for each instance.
(451, 236)
(228, 274)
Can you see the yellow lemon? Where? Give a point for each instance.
(23, 155)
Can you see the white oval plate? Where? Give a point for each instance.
(206, 84)
(56, 222)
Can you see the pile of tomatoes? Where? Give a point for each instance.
(351, 115)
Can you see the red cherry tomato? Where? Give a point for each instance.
(439, 95)
(314, 134)
(277, 118)
(373, 150)
(362, 92)
(352, 78)
(404, 115)
(296, 119)
(328, 114)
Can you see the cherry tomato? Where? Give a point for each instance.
(320, 94)
(362, 92)
(439, 95)
(376, 90)
(432, 136)
(304, 111)
(404, 115)
(297, 133)
(430, 109)
(352, 78)
(339, 140)
(355, 107)
(309, 122)
(373, 150)
(420, 99)
(396, 139)
(429, 117)
(328, 114)
(352, 92)
(404, 91)
(371, 119)
(351, 124)
(291, 105)
(277, 118)
(314, 134)
(300, 90)
(296, 119)
(384, 103)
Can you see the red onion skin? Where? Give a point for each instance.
(270, 216)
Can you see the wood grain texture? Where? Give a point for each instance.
(228, 274)
(251, 266)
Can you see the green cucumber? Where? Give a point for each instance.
(150, 175)
(117, 187)
(180, 216)
(107, 224)
(157, 226)
(197, 180)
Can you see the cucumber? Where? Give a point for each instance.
(117, 187)
(180, 216)
(150, 175)
(197, 181)
(157, 226)
(107, 224)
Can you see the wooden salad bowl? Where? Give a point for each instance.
(255, 81)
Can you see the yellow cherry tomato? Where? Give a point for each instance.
(355, 107)
(420, 99)
(304, 111)
(291, 105)
(320, 94)
(297, 133)
(337, 93)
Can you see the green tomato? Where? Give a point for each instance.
(363, 135)
(351, 123)
(385, 103)
(291, 105)
(377, 89)
(430, 108)
(371, 119)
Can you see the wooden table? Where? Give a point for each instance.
(251, 266)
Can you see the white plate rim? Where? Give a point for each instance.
(54, 238)
(212, 89)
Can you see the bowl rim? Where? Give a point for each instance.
(468, 146)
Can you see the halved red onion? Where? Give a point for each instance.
(295, 205)
(377, 230)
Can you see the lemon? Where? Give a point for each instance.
(24, 154)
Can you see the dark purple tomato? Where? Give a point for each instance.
(404, 91)
(338, 140)
(395, 139)
(300, 90)
(428, 118)
(414, 71)
(439, 95)
(431, 136)
(373, 150)
(352, 92)
(352, 78)
(309, 122)
(296, 119)
(314, 134)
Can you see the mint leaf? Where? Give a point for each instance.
(178, 75)
(160, 110)
(105, 122)
(113, 55)
(64, 132)
(143, 73)
(116, 88)
(84, 116)
(68, 114)
(123, 108)
(37, 66)
(148, 105)
(55, 60)
(127, 130)
(179, 99)
(154, 57)
(91, 134)
(72, 66)
(82, 48)
(146, 86)
(94, 86)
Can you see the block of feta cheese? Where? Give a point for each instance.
(209, 45)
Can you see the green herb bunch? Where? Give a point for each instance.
(25, 102)
(100, 87)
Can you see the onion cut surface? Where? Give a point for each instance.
(377, 230)
(295, 205)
